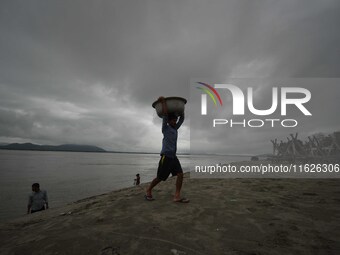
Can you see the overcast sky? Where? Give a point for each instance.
(87, 72)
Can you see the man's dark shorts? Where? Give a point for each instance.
(168, 165)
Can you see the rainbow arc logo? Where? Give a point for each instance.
(211, 91)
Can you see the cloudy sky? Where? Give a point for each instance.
(87, 72)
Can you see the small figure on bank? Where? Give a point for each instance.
(169, 162)
(37, 201)
(137, 180)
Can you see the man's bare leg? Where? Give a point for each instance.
(152, 185)
(179, 182)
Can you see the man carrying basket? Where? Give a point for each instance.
(169, 162)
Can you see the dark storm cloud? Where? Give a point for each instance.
(88, 71)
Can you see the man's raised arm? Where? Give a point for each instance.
(180, 121)
(164, 112)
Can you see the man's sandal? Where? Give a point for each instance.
(148, 198)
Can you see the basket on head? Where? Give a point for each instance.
(175, 106)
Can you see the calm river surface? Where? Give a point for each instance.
(70, 176)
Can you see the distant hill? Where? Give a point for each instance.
(63, 147)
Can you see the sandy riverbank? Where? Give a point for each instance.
(224, 216)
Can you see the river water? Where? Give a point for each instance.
(70, 176)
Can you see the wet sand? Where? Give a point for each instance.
(224, 216)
